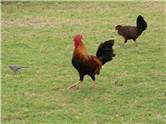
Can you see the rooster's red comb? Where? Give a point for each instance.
(77, 37)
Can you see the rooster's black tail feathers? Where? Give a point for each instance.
(105, 51)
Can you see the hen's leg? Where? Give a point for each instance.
(135, 42)
(125, 42)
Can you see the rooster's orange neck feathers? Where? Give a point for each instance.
(80, 50)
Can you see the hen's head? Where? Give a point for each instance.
(118, 27)
(77, 39)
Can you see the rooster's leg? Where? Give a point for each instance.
(79, 82)
(94, 84)
(74, 85)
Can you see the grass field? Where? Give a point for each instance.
(130, 89)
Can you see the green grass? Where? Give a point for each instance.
(130, 89)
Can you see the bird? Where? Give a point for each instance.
(16, 68)
(87, 64)
(132, 32)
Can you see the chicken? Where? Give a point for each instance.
(132, 32)
(87, 64)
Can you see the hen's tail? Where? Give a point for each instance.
(141, 23)
(105, 51)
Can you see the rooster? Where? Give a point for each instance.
(132, 32)
(87, 64)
